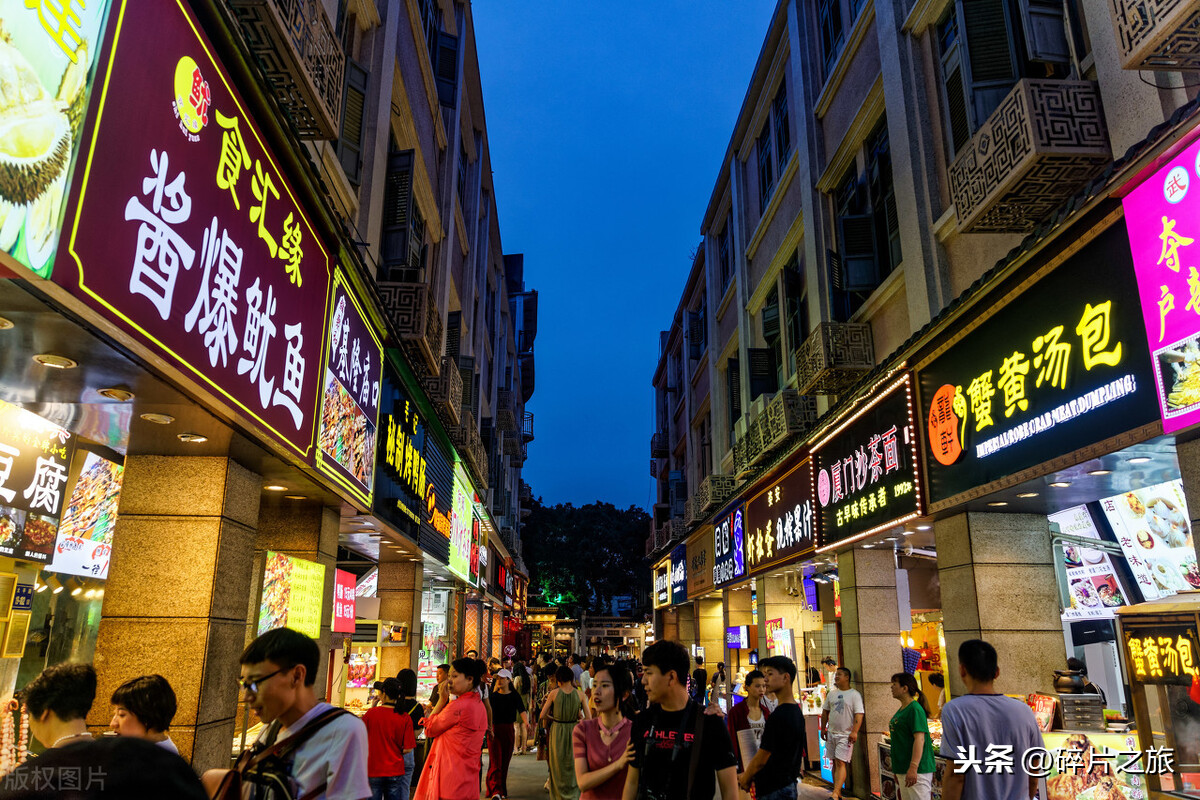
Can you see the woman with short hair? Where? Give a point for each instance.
(144, 707)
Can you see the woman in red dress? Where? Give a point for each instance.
(451, 770)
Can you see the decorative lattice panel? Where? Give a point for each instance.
(713, 491)
(834, 356)
(471, 628)
(741, 463)
(294, 44)
(1157, 34)
(506, 417)
(754, 444)
(406, 307)
(789, 414)
(1043, 142)
(761, 427)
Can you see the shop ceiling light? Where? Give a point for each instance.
(1060, 484)
(76, 591)
(1139, 459)
(158, 419)
(275, 487)
(117, 393)
(295, 497)
(193, 438)
(54, 583)
(997, 503)
(1027, 495)
(1099, 472)
(5, 324)
(55, 361)
(924, 527)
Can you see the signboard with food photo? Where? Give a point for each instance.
(1091, 576)
(292, 595)
(85, 536)
(1154, 530)
(35, 462)
(1093, 766)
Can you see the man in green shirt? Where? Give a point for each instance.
(912, 752)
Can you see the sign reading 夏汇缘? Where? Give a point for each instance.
(1162, 653)
(679, 574)
(700, 563)
(729, 555)
(48, 57)
(401, 477)
(662, 584)
(867, 475)
(1060, 367)
(781, 519)
(1162, 217)
(183, 232)
(35, 462)
(349, 396)
(461, 518)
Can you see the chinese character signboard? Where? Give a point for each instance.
(183, 232)
(729, 553)
(662, 584)
(401, 477)
(1162, 653)
(1091, 577)
(35, 461)
(737, 638)
(292, 595)
(700, 563)
(461, 519)
(350, 396)
(1060, 367)
(679, 574)
(867, 477)
(1163, 220)
(85, 536)
(781, 520)
(48, 53)
(344, 597)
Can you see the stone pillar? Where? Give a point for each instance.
(400, 584)
(710, 629)
(737, 612)
(870, 650)
(685, 619)
(175, 600)
(1188, 454)
(998, 584)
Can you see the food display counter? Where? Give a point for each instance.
(812, 703)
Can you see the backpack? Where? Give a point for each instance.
(267, 764)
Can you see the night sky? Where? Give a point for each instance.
(607, 123)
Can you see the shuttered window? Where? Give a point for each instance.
(766, 173)
(883, 199)
(733, 381)
(724, 257)
(977, 48)
(771, 333)
(829, 22)
(783, 134)
(403, 249)
(796, 307)
(762, 372)
(350, 137)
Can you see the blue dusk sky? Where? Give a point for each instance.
(607, 123)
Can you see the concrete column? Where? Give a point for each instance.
(710, 625)
(175, 600)
(400, 584)
(685, 620)
(737, 612)
(871, 650)
(998, 584)
(1189, 468)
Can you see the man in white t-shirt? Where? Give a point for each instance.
(277, 676)
(841, 720)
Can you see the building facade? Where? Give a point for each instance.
(891, 390)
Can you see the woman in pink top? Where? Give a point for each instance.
(601, 744)
(452, 767)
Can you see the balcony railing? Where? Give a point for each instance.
(510, 443)
(526, 492)
(506, 410)
(712, 492)
(1157, 34)
(412, 310)
(741, 462)
(527, 427)
(788, 415)
(658, 446)
(1044, 141)
(297, 49)
(834, 356)
(445, 389)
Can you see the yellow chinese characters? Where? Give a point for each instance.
(1094, 330)
(981, 392)
(234, 156)
(61, 23)
(1052, 358)
(1013, 370)
(1172, 241)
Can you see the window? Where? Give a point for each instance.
(733, 385)
(724, 257)
(783, 142)
(796, 307)
(703, 450)
(429, 21)
(766, 174)
(771, 333)
(883, 199)
(462, 178)
(350, 137)
(829, 22)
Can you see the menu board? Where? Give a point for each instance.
(1098, 768)
(1155, 533)
(292, 595)
(85, 535)
(35, 460)
(1091, 576)
(461, 519)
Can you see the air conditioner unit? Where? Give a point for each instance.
(760, 404)
(739, 427)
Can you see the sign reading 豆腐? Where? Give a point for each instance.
(1162, 216)
(350, 396)
(662, 584)
(729, 555)
(679, 574)
(1060, 367)
(35, 462)
(700, 563)
(867, 475)
(1162, 653)
(781, 520)
(344, 601)
(183, 232)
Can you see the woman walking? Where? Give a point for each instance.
(521, 685)
(564, 708)
(747, 720)
(506, 708)
(408, 704)
(601, 744)
(912, 754)
(455, 758)
(390, 739)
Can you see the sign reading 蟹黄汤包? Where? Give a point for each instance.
(1061, 366)
(183, 232)
(1162, 653)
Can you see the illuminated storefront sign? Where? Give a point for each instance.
(183, 232)
(1162, 653)
(461, 519)
(85, 535)
(293, 592)
(700, 563)
(662, 584)
(344, 601)
(349, 396)
(401, 476)
(35, 462)
(679, 574)
(1059, 367)
(737, 638)
(867, 477)
(781, 520)
(729, 554)
(49, 63)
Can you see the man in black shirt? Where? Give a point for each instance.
(679, 752)
(779, 760)
(699, 681)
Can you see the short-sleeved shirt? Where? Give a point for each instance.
(905, 725)
(506, 707)
(336, 755)
(980, 720)
(842, 706)
(388, 735)
(588, 744)
(131, 767)
(663, 752)
(783, 737)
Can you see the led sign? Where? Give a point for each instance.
(737, 638)
(781, 520)
(662, 584)
(679, 574)
(1162, 653)
(729, 556)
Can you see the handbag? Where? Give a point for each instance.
(267, 765)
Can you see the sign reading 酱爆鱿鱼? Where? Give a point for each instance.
(679, 574)
(781, 520)
(293, 593)
(1161, 653)
(35, 463)
(344, 601)
(1056, 368)
(729, 554)
(183, 232)
(700, 563)
(867, 477)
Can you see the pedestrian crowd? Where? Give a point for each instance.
(658, 728)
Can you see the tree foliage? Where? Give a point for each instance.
(581, 557)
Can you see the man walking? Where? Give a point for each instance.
(678, 751)
(699, 681)
(981, 723)
(780, 757)
(840, 723)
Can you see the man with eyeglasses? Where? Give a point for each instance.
(278, 671)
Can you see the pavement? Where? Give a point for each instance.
(527, 775)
